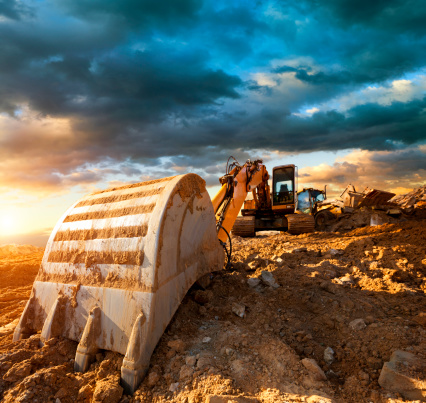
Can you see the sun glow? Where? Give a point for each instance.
(7, 224)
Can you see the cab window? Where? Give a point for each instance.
(283, 186)
(303, 202)
(317, 196)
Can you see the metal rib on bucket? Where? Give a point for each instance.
(117, 266)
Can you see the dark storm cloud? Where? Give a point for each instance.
(168, 14)
(406, 16)
(14, 9)
(141, 80)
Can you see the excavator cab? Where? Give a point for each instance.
(283, 185)
(307, 199)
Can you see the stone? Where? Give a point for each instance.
(421, 319)
(230, 399)
(108, 391)
(170, 354)
(357, 324)
(207, 339)
(253, 282)
(277, 259)
(61, 393)
(269, 279)
(329, 355)
(405, 374)
(319, 399)
(18, 371)
(345, 280)
(190, 360)
(185, 372)
(177, 345)
(202, 296)
(174, 386)
(239, 309)
(298, 250)
(336, 252)
(204, 362)
(314, 369)
(85, 393)
(153, 378)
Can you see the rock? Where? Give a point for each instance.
(153, 378)
(61, 393)
(239, 309)
(421, 319)
(51, 342)
(174, 386)
(277, 259)
(170, 354)
(202, 296)
(108, 390)
(345, 280)
(204, 362)
(18, 371)
(230, 399)
(298, 250)
(329, 355)
(319, 399)
(177, 345)
(85, 393)
(336, 252)
(364, 378)
(314, 369)
(357, 324)
(253, 282)
(207, 339)
(190, 360)
(405, 374)
(185, 372)
(104, 369)
(269, 279)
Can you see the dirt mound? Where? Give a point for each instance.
(17, 273)
(14, 249)
(308, 318)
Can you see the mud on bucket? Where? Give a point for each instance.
(118, 264)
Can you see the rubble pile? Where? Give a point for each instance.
(320, 317)
(416, 198)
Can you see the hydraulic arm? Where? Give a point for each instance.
(236, 183)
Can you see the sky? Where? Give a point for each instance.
(99, 93)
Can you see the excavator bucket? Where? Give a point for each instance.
(118, 264)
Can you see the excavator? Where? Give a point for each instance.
(276, 209)
(119, 261)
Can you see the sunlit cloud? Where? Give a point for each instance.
(396, 171)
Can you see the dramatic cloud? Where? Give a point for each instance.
(97, 91)
(396, 171)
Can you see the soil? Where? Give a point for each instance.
(311, 318)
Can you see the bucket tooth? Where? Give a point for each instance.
(87, 348)
(23, 330)
(135, 363)
(54, 322)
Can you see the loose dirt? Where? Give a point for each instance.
(307, 318)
